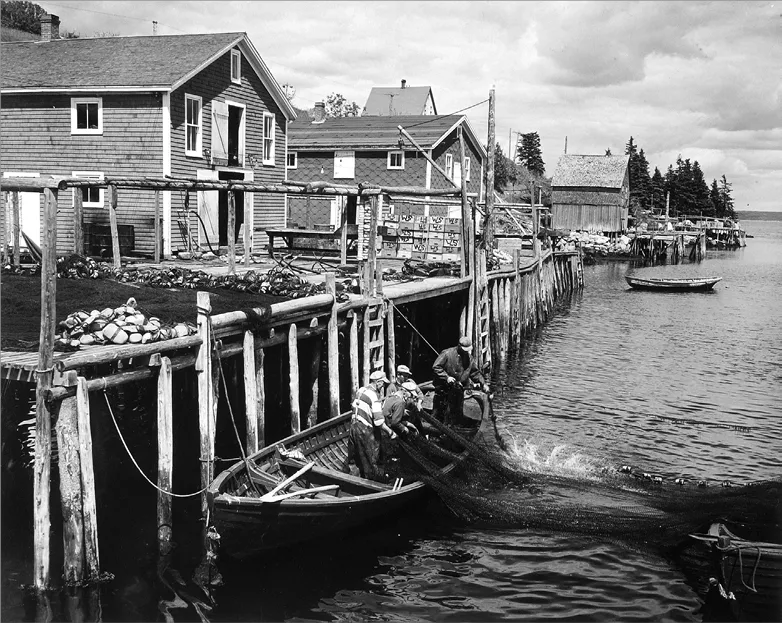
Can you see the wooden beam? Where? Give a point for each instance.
(293, 369)
(78, 222)
(353, 347)
(206, 393)
(43, 415)
(158, 228)
(165, 458)
(427, 156)
(488, 223)
(231, 233)
(250, 392)
(372, 250)
(464, 255)
(343, 246)
(332, 346)
(89, 502)
(391, 350)
(317, 351)
(365, 351)
(115, 250)
(16, 227)
(260, 384)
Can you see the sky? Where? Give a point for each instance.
(698, 79)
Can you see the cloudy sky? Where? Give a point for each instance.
(700, 79)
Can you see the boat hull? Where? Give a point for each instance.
(672, 285)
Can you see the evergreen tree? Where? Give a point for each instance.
(716, 200)
(630, 148)
(528, 154)
(640, 183)
(657, 198)
(504, 169)
(702, 201)
(726, 199)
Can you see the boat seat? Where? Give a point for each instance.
(350, 483)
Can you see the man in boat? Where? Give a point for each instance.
(399, 411)
(403, 375)
(365, 429)
(454, 371)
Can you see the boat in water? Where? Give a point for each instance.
(696, 284)
(295, 490)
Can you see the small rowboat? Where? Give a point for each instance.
(673, 285)
(294, 490)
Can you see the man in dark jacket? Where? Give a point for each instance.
(454, 371)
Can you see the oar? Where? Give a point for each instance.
(289, 481)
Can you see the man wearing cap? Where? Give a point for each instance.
(365, 427)
(397, 411)
(455, 370)
(404, 375)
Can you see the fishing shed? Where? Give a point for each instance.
(591, 193)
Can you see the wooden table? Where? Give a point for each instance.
(290, 236)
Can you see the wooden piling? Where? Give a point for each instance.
(343, 246)
(231, 232)
(507, 315)
(317, 348)
(464, 255)
(365, 351)
(353, 348)
(391, 343)
(252, 391)
(165, 457)
(115, 250)
(332, 346)
(67, 429)
(158, 227)
(89, 503)
(293, 369)
(372, 251)
(207, 399)
(43, 415)
(78, 222)
(16, 227)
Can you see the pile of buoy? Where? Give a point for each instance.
(595, 243)
(125, 324)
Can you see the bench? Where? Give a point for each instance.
(289, 235)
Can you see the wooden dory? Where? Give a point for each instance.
(673, 285)
(252, 513)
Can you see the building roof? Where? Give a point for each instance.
(367, 133)
(394, 101)
(590, 171)
(157, 62)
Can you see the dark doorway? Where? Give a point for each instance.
(223, 207)
(234, 126)
(350, 206)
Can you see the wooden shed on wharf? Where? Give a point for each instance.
(320, 345)
(590, 193)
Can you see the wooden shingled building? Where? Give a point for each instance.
(590, 193)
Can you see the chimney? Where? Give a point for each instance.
(404, 82)
(320, 112)
(50, 27)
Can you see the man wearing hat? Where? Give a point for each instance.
(403, 375)
(365, 427)
(454, 371)
(398, 408)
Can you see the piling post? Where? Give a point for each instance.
(372, 250)
(508, 316)
(293, 368)
(231, 232)
(250, 391)
(78, 221)
(43, 415)
(332, 346)
(317, 348)
(89, 504)
(158, 227)
(165, 457)
(353, 347)
(115, 250)
(207, 399)
(516, 298)
(70, 485)
(343, 242)
(466, 267)
(391, 350)
(365, 350)
(488, 227)
(15, 227)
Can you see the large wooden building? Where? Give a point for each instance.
(401, 100)
(203, 106)
(590, 193)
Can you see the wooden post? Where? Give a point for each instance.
(378, 279)
(508, 314)
(317, 348)
(165, 457)
(343, 246)
(248, 239)
(16, 226)
(43, 415)
(391, 350)
(293, 367)
(207, 403)
(466, 266)
(78, 221)
(365, 350)
(89, 504)
(115, 250)
(249, 358)
(158, 227)
(353, 346)
(515, 300)
(372, 251)
(332, 346)
(413, 335)
(488, 226)
(231, 233)
(70, 486)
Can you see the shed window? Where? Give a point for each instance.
(293, 161)
(396, 160)
(86, 115)
(344, 165)
(236, 66)
(268, 138)
(466, 169)
(193, 125)
(90, 197)
(449, 165)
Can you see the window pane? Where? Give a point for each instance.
(92, 116)
(192, 138)
(81, 116)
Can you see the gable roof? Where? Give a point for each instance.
(590, 171)
(368, 133)
(393, 101)
(157, 62)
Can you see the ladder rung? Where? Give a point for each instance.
(376, 343)
(376, 323)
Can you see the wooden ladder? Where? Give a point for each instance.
(374, 340)
(481, 338)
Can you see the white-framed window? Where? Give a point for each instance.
(236, 66)
(396, 160)
(193, 125)
(90, 197)
(467, 169)
(449, 165)
(344, 165)
(86, 115)
(293, 160)
(268, 138)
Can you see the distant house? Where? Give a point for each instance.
(398, 101)
(203, 106)
(351, 150)
(590, 193)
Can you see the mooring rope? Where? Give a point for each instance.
(396, 309)
(122, 439)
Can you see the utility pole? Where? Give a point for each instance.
(154, 27)
(488, 221)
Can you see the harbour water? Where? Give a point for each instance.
(675, 384)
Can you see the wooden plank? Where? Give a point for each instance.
(391, 337)
(158, 227)
(250, 392)
(426, 155)
(165, 457)
(89, 502)
(293, 370)
(332, 346)
(231, 233)
(113, 199)
(206, 395)
(78, 222)
(353, 347)
(43, 415)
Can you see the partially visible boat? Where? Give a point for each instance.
(697, 284)
(295, 490)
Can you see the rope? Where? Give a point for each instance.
(396, 309)
(122, 439)
(738, 549)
